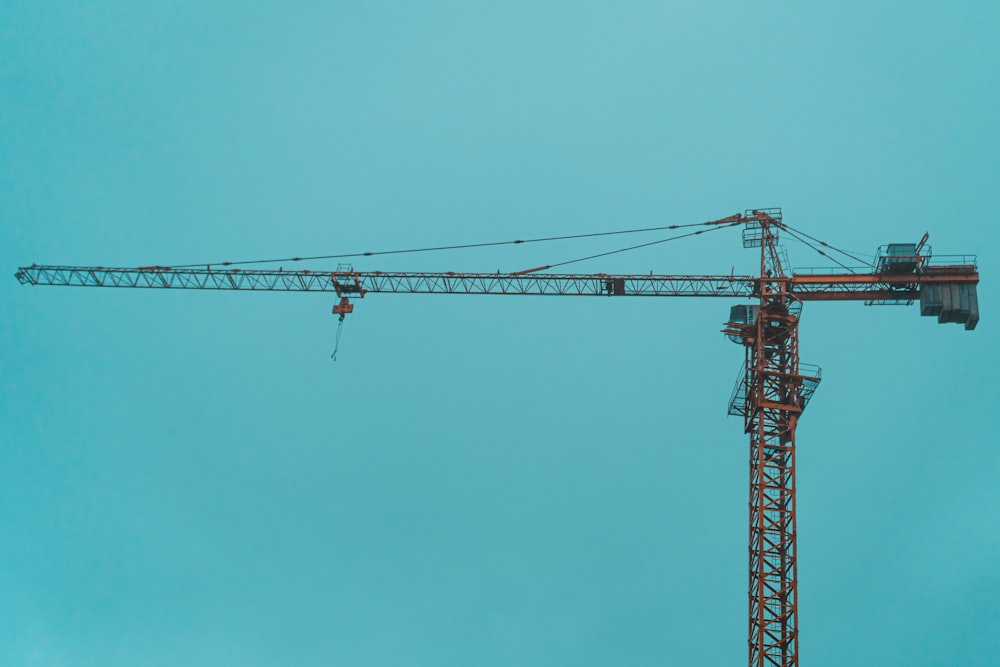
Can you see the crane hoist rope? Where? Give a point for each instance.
(336, 342)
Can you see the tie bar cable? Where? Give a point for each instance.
(457, 247)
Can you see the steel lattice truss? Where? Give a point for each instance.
(774, 402)
(771, 393)
(824, 287)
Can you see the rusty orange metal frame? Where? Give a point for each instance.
(771, 393)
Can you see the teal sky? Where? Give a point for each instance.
(187, 479)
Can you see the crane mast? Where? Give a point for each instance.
(771, 392)
(773, 396)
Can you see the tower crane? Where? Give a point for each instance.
(770, 395)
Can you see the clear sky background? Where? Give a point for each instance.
(187, 479)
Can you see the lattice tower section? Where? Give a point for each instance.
(774, 402)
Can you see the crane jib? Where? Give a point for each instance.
(807, 287)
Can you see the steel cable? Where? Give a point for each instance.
(636, 247)
(832, 259)
(793, 231)
(451, 247)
